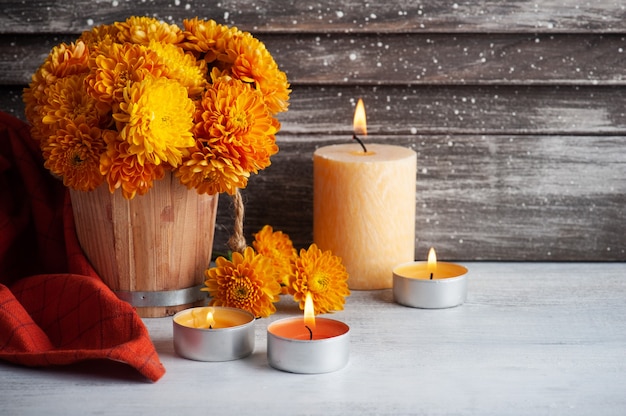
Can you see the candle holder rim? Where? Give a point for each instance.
(437, 280)
(345, 327)
(226, 329)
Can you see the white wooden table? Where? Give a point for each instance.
(532, 339)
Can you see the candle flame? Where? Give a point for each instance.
(309, 311)
(432, 261)
(210, 321)
(360, 124)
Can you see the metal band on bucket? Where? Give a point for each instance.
(162, 298)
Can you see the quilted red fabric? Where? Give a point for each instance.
(54, 309)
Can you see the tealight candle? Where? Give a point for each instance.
(308, 346)
(430, 284)
(364, 206)
(213, 333)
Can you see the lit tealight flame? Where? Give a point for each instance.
(432, 262)
(210, 321)
(360, 124)
(309, 312)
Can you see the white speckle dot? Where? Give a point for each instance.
(424, 171)
(226, 14)
(413, 130)
(90, 22)
(339, 14)
(115, 3)
(353, 56)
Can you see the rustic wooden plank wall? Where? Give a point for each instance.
(517, 110)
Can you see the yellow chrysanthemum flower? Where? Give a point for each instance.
(181, 66)
(73, 153)
(142, 30)
(235, 136)
(247, 282)
(156, 120)
(123, 171)
(323, 275)
(278, 247)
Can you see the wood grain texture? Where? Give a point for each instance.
(532, 338)
(161, 242)
(552, 16)
(403, 59)
(478, 197)
(446, 109)
(516, 110)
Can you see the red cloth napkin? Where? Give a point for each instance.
(54, 309)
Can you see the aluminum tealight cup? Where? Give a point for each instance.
(412, 287)
(217, 344)
(290, 349)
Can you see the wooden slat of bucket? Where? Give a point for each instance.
(161, 241)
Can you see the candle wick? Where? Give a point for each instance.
(310, 332)
(354, 136)
(210, 326)
(431, 276)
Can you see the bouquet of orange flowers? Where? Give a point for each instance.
(129, 101)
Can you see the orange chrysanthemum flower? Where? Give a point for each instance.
(253, 63)
(323, 275)
(247, 282)
(64, 61)
(122, 170)
(278, 247)
(99, 34)
(235, 136)
(73, 153)
(67, 100)
(115, 66)
(240, 55)
(207, 39)
(141, 30)
(156, 120)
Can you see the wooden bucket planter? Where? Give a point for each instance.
(152, 251)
